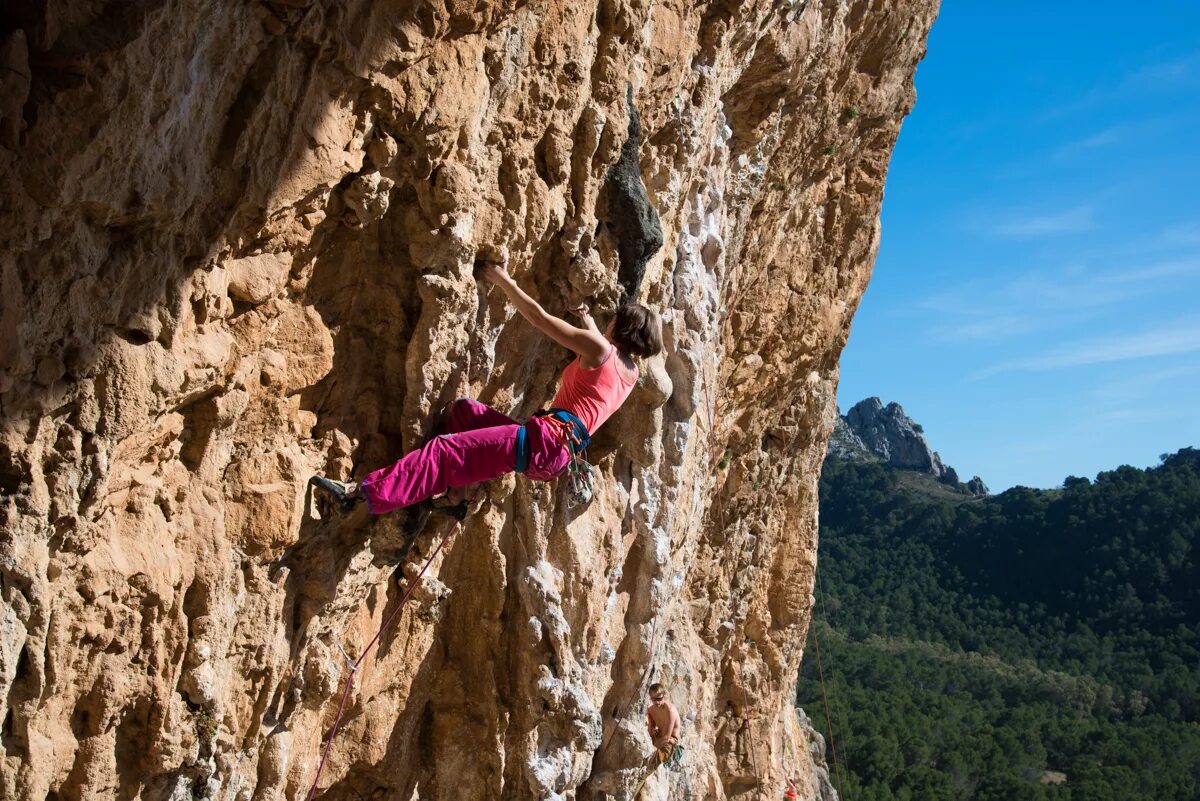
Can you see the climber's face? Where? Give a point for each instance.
(608, 331)
(658, 698)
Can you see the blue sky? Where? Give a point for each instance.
(1036, 301)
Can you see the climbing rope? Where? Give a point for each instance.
(337, 721)
(646, 778)
(672, 762)
(623, 709)
(713, 399)
(837, 765)
(750, 737)
(825, 616)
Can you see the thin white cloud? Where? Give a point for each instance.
(1169, 340)
(1038, 301)
(1063, 222)
(1150, 272)
(1183, 234)
(1163, 74)
(988, 326)
(1071, 289)
(1104, 138)
(1144, 384)
(1141, 131)
(1149, 79)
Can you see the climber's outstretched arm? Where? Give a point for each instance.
(587, 342)
(585, 316)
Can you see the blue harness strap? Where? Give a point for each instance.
(522, 450)
(581, 437)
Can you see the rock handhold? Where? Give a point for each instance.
(368, 198)
(257, 279)
(493, 254)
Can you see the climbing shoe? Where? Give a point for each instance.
(340, 490)
(449, 508)
(418, 513)
(416, 516)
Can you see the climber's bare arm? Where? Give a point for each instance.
(588, 342)
(585, 316)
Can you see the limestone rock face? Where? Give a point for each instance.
(237, 250)
(845, 443)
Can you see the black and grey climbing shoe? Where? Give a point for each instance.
(340, 490)
(443, 506)
(417, 517)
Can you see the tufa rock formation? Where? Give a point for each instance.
(871, 431)
(631, 217)
(237, 250)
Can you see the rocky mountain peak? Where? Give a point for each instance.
(871, 431)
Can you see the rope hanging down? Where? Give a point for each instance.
(837, 765)
(750, 736)
(337, 721)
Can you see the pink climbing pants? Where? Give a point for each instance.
(479, 444)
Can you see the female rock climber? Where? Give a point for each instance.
(477, 443)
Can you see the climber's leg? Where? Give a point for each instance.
(468, 414)
(448, 460)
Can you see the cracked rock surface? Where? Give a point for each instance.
(237, 250)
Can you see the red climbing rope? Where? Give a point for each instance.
(337, 721)
(837, 765)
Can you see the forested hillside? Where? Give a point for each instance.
(1038, 644)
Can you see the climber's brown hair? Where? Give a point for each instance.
(637, 331)
(657, 691)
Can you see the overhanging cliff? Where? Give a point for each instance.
(237, 250)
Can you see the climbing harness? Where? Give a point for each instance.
(675, 760)
(581, 476)
(337, 721)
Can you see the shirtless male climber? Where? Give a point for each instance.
(662, 720)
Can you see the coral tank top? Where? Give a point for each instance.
(593, 394)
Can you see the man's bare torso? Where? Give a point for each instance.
(664, 723)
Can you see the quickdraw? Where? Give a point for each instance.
(581, 476)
